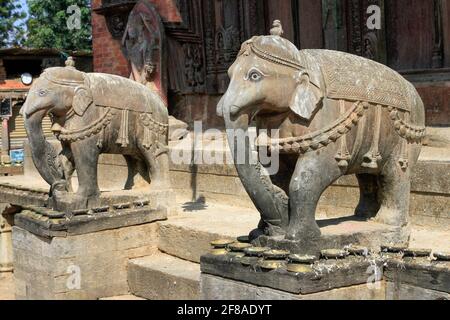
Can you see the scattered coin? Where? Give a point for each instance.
(333, 254)
(276, 254)
(239, 246)
(256, 251)
(221, 243)
(302, 259)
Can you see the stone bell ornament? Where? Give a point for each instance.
(335, 114)
(94, 113)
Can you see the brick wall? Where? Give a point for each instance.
(108, 57)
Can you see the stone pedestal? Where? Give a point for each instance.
(323, 275)
(84, 266)
(6, 222)
(217, 288)
(417, 279)
(396, 273)
(83, 254)
(344, 256)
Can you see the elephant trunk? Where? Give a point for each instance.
(271, 201)
(44, 155)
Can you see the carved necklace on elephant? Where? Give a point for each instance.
(80, 134)
(320, 138)
(98, 127)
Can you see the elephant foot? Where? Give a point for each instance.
(392, 217)
(159, 185)
(304, 233)
(266, 229)
(60, 186)
(367, 210)
(256, 233)
(68, 202)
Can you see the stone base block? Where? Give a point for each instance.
(163, 277)
(216, 288)
(322, 276)
(87, 266)
(432, 277)
(402, 291)
(6, 221)
(341, 232)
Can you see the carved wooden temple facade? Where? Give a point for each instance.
(185, 47)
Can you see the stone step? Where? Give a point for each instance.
(163, 277)
(188, 235)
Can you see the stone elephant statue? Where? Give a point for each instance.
(94, 113)
(326, 114)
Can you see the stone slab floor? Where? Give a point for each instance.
(6, 286)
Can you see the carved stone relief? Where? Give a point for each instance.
(116, 14)
(144, 46)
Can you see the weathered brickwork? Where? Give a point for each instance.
(108, 57)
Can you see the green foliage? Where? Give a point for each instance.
(48, 25)
(11, 30)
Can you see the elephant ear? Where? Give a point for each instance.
(82, 100)
(307, 97)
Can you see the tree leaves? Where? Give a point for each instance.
(48, 27)
(11, 29)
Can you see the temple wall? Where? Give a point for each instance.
(108, 57)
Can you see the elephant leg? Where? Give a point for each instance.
(85, 154)
(394, 194)
(368, 205)
(312, 175)
(158, 167)
(132, 171)
(68, 166)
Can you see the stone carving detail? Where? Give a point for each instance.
(107, 114)
(226, 26)
(363, 117)
(144, 45)
(81, 134)
(437, 35)
(116, 15)
(227, 44)
(362, 41)
(193, 63)
(345, 79)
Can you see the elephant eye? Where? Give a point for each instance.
(42, 92)
(255, 75)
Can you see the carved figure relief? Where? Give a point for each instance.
(144, 46)
(193, 63)
(227, 44)
(334, 114)
(116, 15)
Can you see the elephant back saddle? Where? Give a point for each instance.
(132, 96)
(350, 77)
